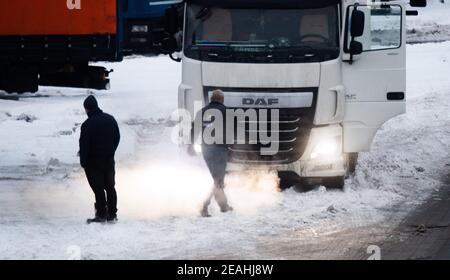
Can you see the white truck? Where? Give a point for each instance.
(335, 69)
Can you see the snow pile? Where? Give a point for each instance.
(436, 12)
(432, 24)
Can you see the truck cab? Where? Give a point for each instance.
(334, 69)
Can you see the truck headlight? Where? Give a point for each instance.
(327, 148)
(198, 148)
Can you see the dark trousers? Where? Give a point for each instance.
(100, 173)
(216, 158)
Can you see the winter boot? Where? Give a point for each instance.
(204, 213)
(112, 219)
(100, 217)
(226, 209)
(96, 220)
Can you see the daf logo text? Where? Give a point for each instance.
(260, 101)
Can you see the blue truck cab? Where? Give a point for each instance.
(143, 26)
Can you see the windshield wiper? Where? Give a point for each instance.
(213, 50)
(230, 44)
(229, 49)
(297, 49)
(220, 55)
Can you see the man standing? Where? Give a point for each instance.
(99, 139)
(215, 154)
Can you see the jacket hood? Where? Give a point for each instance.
(90, 103)
(94, 112)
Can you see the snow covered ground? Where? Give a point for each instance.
(436, 13)
(160, 190)
(45, 199)
(432, 24)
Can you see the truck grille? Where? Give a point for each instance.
(294, 129)
(295, 126)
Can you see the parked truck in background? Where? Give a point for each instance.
(52, 42)
(336, 68)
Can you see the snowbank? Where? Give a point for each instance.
(432, 24)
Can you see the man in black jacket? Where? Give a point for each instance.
(99, 139)
(216, 153)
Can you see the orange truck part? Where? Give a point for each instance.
(57, 17)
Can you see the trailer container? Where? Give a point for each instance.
(51, 42)
(58, 17)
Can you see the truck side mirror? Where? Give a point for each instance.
(358, 23)
(418, 3)
(356, 48)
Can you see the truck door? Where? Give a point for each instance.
(375, 80)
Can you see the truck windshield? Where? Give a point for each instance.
(262, 35)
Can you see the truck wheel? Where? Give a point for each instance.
(286, 183)
(288, 180)
(21, 79)
(352, 163)
(334, 183)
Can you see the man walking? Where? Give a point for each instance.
(99, 139)
(216, 154)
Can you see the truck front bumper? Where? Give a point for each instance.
(323, 156)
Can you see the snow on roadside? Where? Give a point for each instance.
(435, 13)
(432, 24)
(141, 101)
(160, 189)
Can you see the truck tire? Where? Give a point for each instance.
(352, 163)
(334, 183)
(21, 78)
(288, 180)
